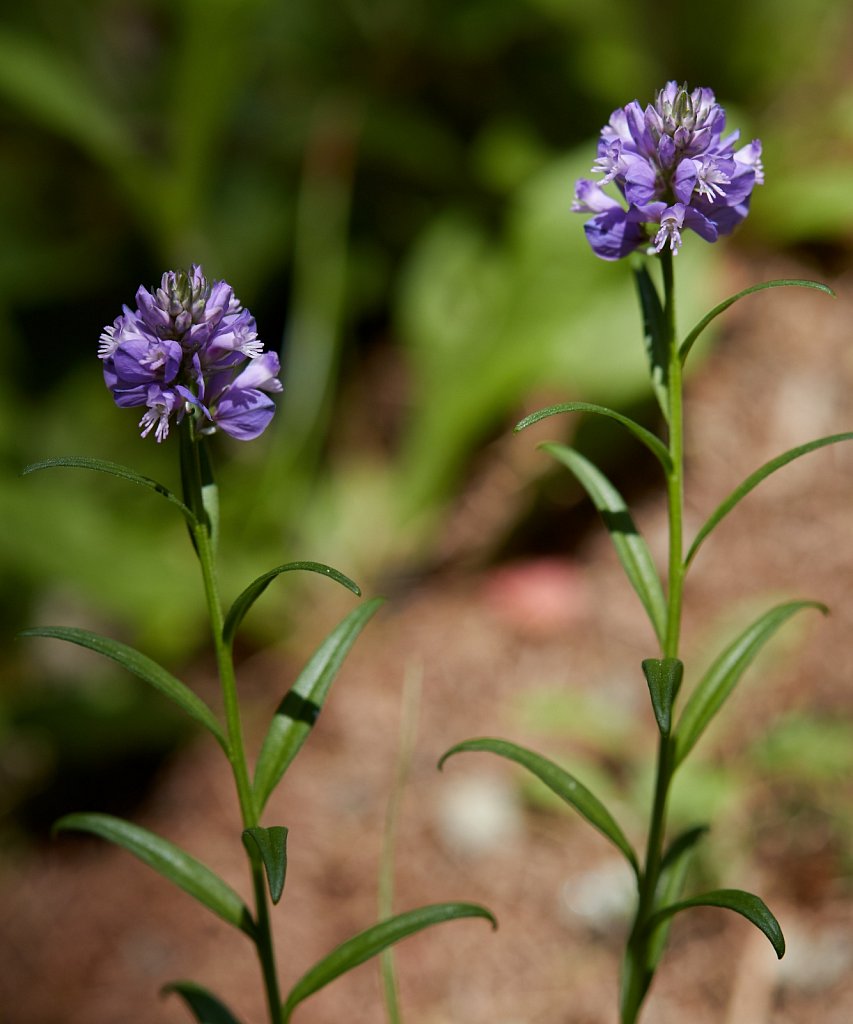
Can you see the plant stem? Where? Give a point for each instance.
(191, 473)
(638, 971)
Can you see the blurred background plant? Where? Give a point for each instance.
(387, 183)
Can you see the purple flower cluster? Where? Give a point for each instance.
(675, 171)
(190, 346)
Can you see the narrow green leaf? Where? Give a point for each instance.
(142, 666)
(650, 440)
(301, 705)
(205, 1007)
(558, 781)
(245, 601)
(753, 480)
(691, 338)
(677, 851)
(368, 943)
(673, 873)
(630, 547)
(664, 677)
(113, 469)
(654, 334)
(746, 904)
(209, 492)
(168, 860)
(723, 675)
(271, 844)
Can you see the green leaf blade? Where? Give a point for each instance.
(271, 845)
(247, 598)
(725, 672)
(673, 873)
(632, 550)
(205, 1007)
(374, 940)
(113, 469)
(663, 676)
(140, 665)
(301, 705)
(692, 337)
(747, 904)
(168, 860)
(646, 437)
(559, 781)
(752, 481)
(654, 335)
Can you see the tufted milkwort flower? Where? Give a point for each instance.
(190, 346)
(674, 169)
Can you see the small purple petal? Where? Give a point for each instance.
(613, 235)
(243, 414)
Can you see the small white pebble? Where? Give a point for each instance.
(479, 813)
(815, 961)
(602, 897)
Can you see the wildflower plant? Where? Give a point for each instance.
(671, 169)
(189, 356)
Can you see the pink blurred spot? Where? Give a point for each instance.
(540, 597)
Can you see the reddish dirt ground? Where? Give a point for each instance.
(89, 936)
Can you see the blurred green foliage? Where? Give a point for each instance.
(386, 183)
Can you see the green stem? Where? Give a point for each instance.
(638, 971)
(193, 481)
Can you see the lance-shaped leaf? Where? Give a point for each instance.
(747, 904)
(368, 943)
(654, 335)
(113, 469)
(646, 437)
(271, 844)
(300, 707)
(753, 480)
(244, 602)
(142, 666)
(692, 337)
(673, 872)
(664, 677)
(168, 860)
(630, 547)
(209, 492)
(205, 1007)
(559, 781)
(723, 675)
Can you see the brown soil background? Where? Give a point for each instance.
(89, 936)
